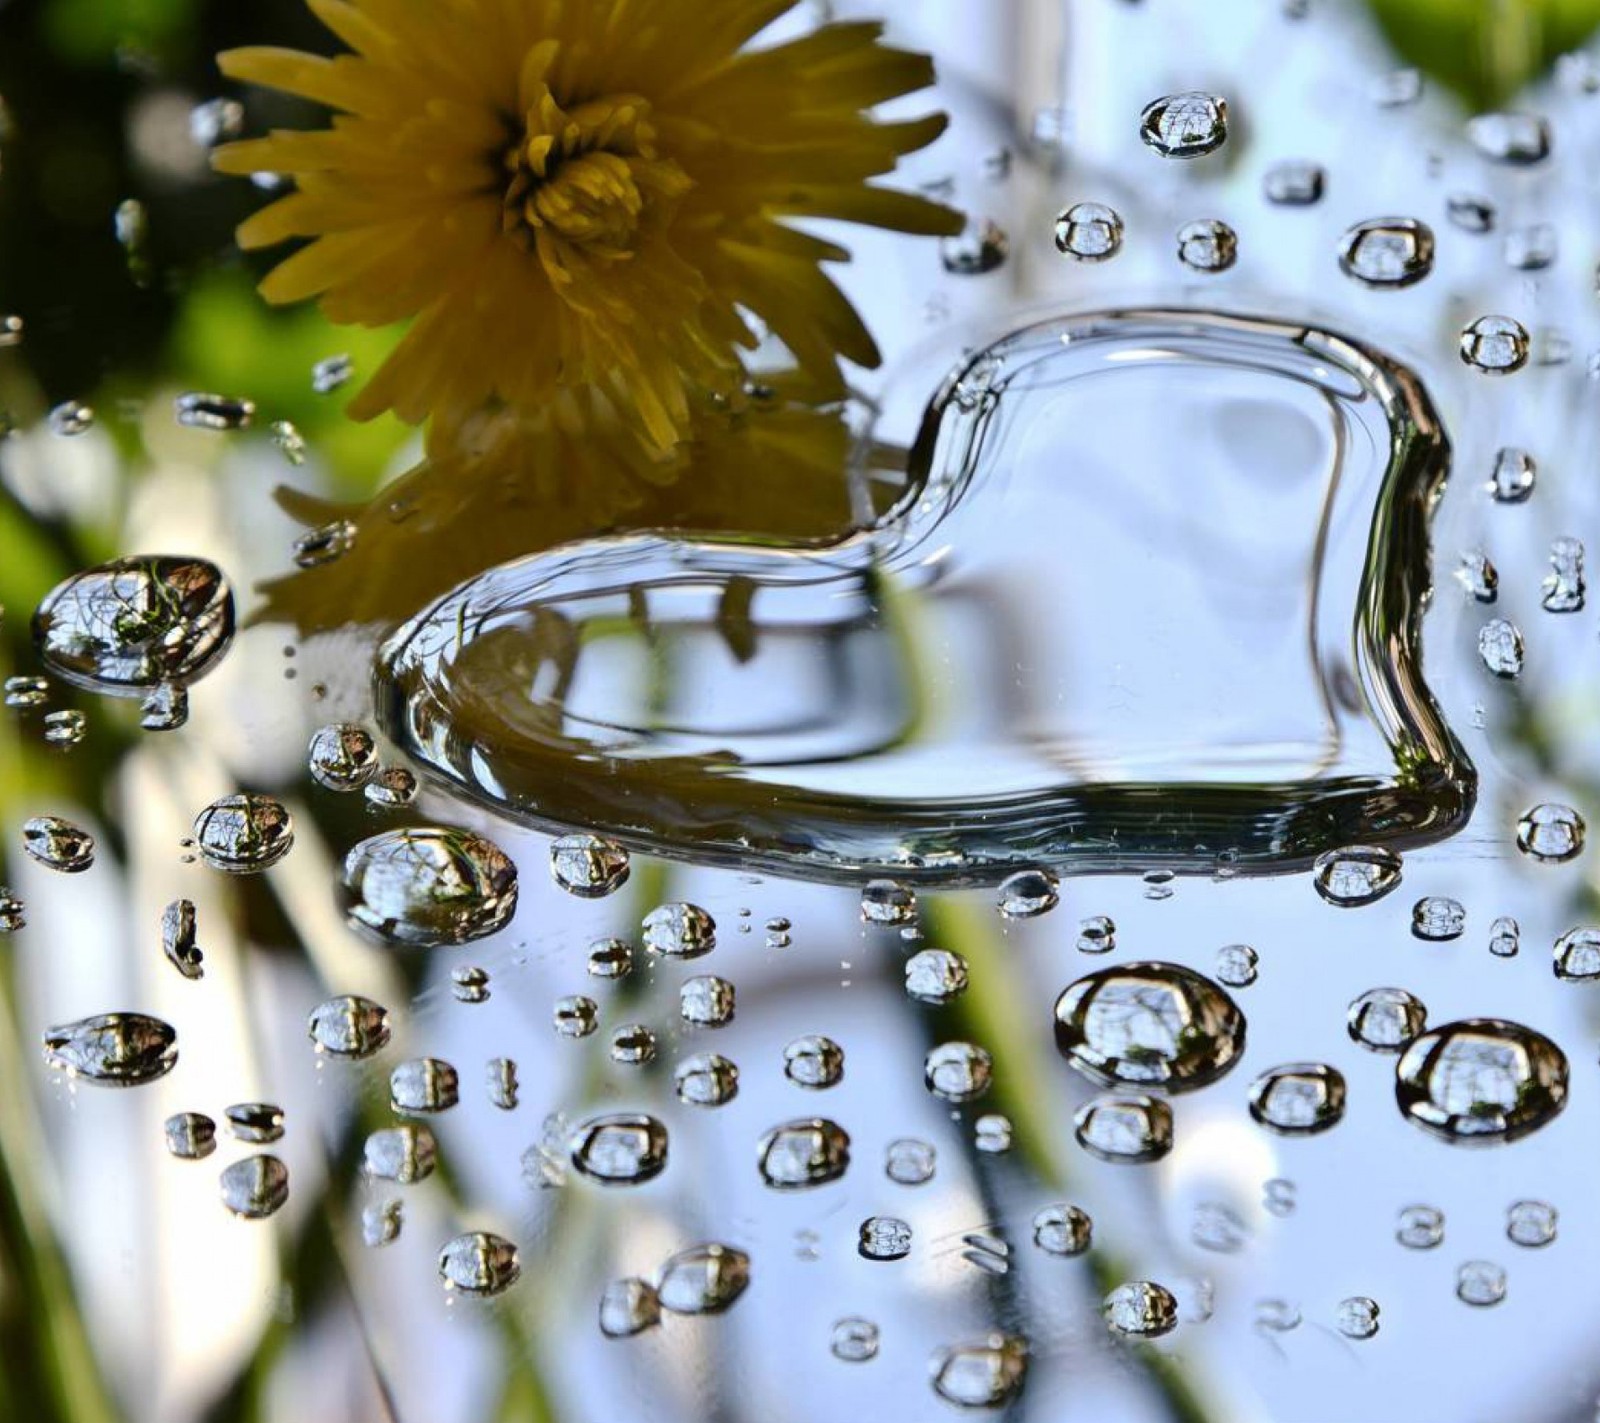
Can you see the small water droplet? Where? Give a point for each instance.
(981, 248)
(1386, 1019)
(680, 930)
(1237, 965)
(1062, 1229)
(13, 912)
(1470, 212)
(391, 788)
(381, 1223)
(1481, 1080)
(330, 373)
(1279, 1197)
(257, 1122)
(629, 1307)
(349, 1026)
(1577, 955)
(243, 834)
(854, 1340)
(1563, 589)
(1396, 89)
(469, 984)
(424, 887)
(1097, 935)
(1207, 245)
(888, 902)
(403, 1154)
(503, 1087)
(1420, 1227)
(1089, 232)
(909, 1161)
(1516, 139)
(704, 1279)
(589, 866)
(289, 442)
(706, 1079)
(65, 728)
(200, 410)
(706, 1001)
(1551, 832)
(1532, 248)
(1478, 576)
(25, 693)
(191, 1136)
(1185, 125)
(1124, 1128)
(71, 417)
(633, 1044)
(1387, 252)
(935, 976)
(991, 1134)
(575, 1016)
(327, 543)
(1218, 1228)
(479, 1263)
(1438, 919)
(814, 1061)
(1505, 937)
(1495, 345)
(804, 1153)
(1141, 1309)
(981, 1373)
(1356, 875)
(1514, 475)
(1500, 647)
(610, 958)
(1480, 1283)
(1531, 1224)
(620, 1149)
(1295, 182)
(884, 1237)
(112, 1049)
(256, 1187)
(957, 1071)
(1357, 1317)
(423, 1084)
(1298, 1098)
(178, 939)
(216, 121)
(1029, 893)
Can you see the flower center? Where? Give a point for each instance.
(590, 175)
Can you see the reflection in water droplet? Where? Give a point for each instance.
(935, 976)
(1207, 245)
(244, 834)
(479, 1264)
(391, 788)
(1149, 1024)
(1357, 1317)
(854, 1340)
(1531, 1224)
(1481, 1283)
(813, 1061)
(1356, 875)
(707, 1079)
(1237, 965)
(957, 1071)
(1386, 1019)
(342, 758)
(349, 1026)
(1124, 1128)
(191, 1136)
(58, 844)
(1387, 252)
(424, 887)
(1438, 919)
(178, 939)
(424, 1084)
(1577, 955)
(620, 1149)
(255, 1187)
(981, 1373)
(589, 866)
(706, 1001)
(1517, 139)
(112, 1049)
(1062, 1230)
(798, 1154)
(629, 1307)
(1089, 232)
(256, 1122)
(1495, 345)
(1294, 182)
(704, 1279)
(679, 930)
(1551, 832)
(1299, 1098)
(1185, 125)
(883, 1237)
(909, 1161)
(1141, 1309)
(1028, 893)
(1097, 935)
(1481, 1080)
(403, 1154)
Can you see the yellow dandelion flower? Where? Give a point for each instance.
(562, 193)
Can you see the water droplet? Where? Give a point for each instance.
(680, 930)
(26, 692)
(216, 121)
(1386, 1019)
(502, 1075)
(1207, 245)
(1124, 1128)
(1089, 232)
(65, 728)
(1357, 1317)
(982, 247)
(58, 844)
(257, 1122)
(1299, 1098)
(1237, 965)
(470, 984)
(1551, 832)
(1356, 875)
(1185, 125)
(330, 373)
(991, 1134)
(629, 1307)
(704, 1279)
(935, 976)
(1531, 1224)
(197, 410)
(1578, 955)
(589, 866)
(808, 1152)
(707, 1079)
(610, 958)
(620, 1149)
(291, 444)
(71, 417)
(575, 1016)
(909, 1161)
(1495, 345)
(854, 1340)
(957, 1071)
(423, 1084)
(164, 708)
(381, 1223)
(1279, 1197)
(1295, 182)
(981, 1373)
(1149, 1024)
(1500, 647)
(425, 887)
(1387, 252)
(1062, 1229)
(1517, 139)
(392, 788)
(126, 627)
(1531, 249)
(1141, 1309)
(707, 1001)
(1396, 89)
(1028, 893)
(1478, 576)
(633, 1044)
(403, 1154)
(191, 1136)
(349, 1026)
(888, 902)
(813, 1061)
(1514, 475)
(1097, 935)
(1158, 884)
(243, 834)
(342, 757)
(1420, 1227)
(479, 1263)
(11, 328)
(13, 912)
(1218, 1228)
(256, 1187)
(1481, 1080)
(112, 1049)
(1481, 1283)
(1563, 590)
(1505, 937)
(1470, 212)
(884, 1237)
(178, 939)
(1438, 919)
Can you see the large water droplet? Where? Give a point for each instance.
(1481, 1080)
(1551, 832)
(1124, 1128)
(1089, 232)
(1387, 252)
(1299, 1098)
(428, 886)
(704, 1279)
(981, 1373)
(58, 844)
(1356, 875)
(255, 1187)
(1185, 125)
(935, 976)
(622, 1149)
(1495, 345)
(350, 1026)
(113, 1049)
(244, 834)
(706, 1001)
(798, 1154)
(479, 1264)
(680, 931)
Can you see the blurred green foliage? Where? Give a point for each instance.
(1485, 50)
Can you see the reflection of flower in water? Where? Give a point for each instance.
(574, 194)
